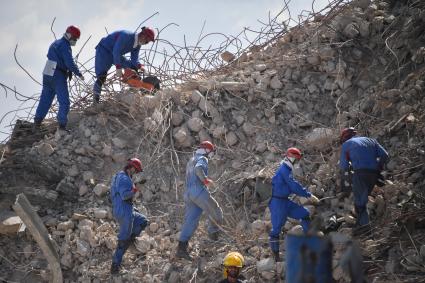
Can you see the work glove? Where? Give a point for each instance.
(141, 68)
(69, 75)
(134, 189)
(314, 200)
(208, 182)
(118, 73)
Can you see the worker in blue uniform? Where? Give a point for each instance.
(131, 222)
(362, 159)
(198, 199)
(59, 67)
(281, 207)
(111, 50)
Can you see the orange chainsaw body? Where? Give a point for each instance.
(131, 78)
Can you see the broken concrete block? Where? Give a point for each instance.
(227, 56)
(181, 135)
(101, 189)
(73, 171)
(66, 225)
(119, 143)
(267, 264)
(248, 129)
(195, 124)
(260, 67)
(83, 248)
(177, 119)
(153, 227)
(100, 213)
(45, 149)
(320, 138)
(82, 190)
(107, 150)
(149, 124)
(196, 96)
(10, 224)
(144, 243)
(231, 138)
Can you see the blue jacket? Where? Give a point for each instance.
(194, 185)
(284, 183)
(119, 43)
(60, 52)
(121, 195)
(363, 153)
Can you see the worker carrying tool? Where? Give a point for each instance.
(233, 263)
(281, 207)
(131, 222)
(111, 50)
(59, 67)
(198, 198)
(365, 158)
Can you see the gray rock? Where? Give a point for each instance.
(267, 264)
(118, 143)
(248, 129)
(177, 119)
(100, 213)
(275, 83)
(45, 149)
(196, 96)
(101, 189)
(231, 138)
(83, 248)
(260, 67)
(66, 225)
(195, 124)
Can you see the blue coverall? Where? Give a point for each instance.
(59, 52)
(281, 207)
(367, 158)
(197, 199)
(111, 50)
(132, 223)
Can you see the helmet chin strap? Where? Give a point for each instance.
(292, 160)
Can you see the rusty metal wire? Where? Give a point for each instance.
(173, 64)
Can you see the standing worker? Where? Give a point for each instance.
(233, 263)
(366, 157)
(111, 50)
(131, 222)
(59, 66)
(280, 206)
(198, 198)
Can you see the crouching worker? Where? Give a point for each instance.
(131, 222)
(233, 263)
(280, 206)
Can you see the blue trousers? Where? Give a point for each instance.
(195, 205)
(130, 227)
(363, 183)
(280, 210)
(102, 63)
(56, 84)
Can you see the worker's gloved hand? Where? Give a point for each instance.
(208, 182)
(69, 75)
(314, 200)
(141, 68)
(134, 189)
(118, 73)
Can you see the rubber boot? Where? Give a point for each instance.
(182, 251)
(64, 129)
(276, 257)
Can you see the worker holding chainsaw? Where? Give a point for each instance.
(281, 207)
(198, 198)
(111, 50)
(58, 69)
(361, 162)
(132, 222)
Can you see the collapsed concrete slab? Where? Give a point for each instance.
(40, 234)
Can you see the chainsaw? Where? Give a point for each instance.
(134, 79)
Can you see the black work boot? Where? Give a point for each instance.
(115, 268)
(276, 257)
(182, 251)
(37, 124)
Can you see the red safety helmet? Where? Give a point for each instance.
(148, 33)
(136, 164)
(294, 152)
(74, 32)
(347, 134)
(207, 145)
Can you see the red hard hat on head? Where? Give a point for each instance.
(136, 164)
(347, 134)
(148, 33)
(74, 32)
(207, 145)
(294, 152)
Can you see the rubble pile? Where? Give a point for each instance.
(361, 65)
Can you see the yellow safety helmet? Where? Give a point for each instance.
(233, 259)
